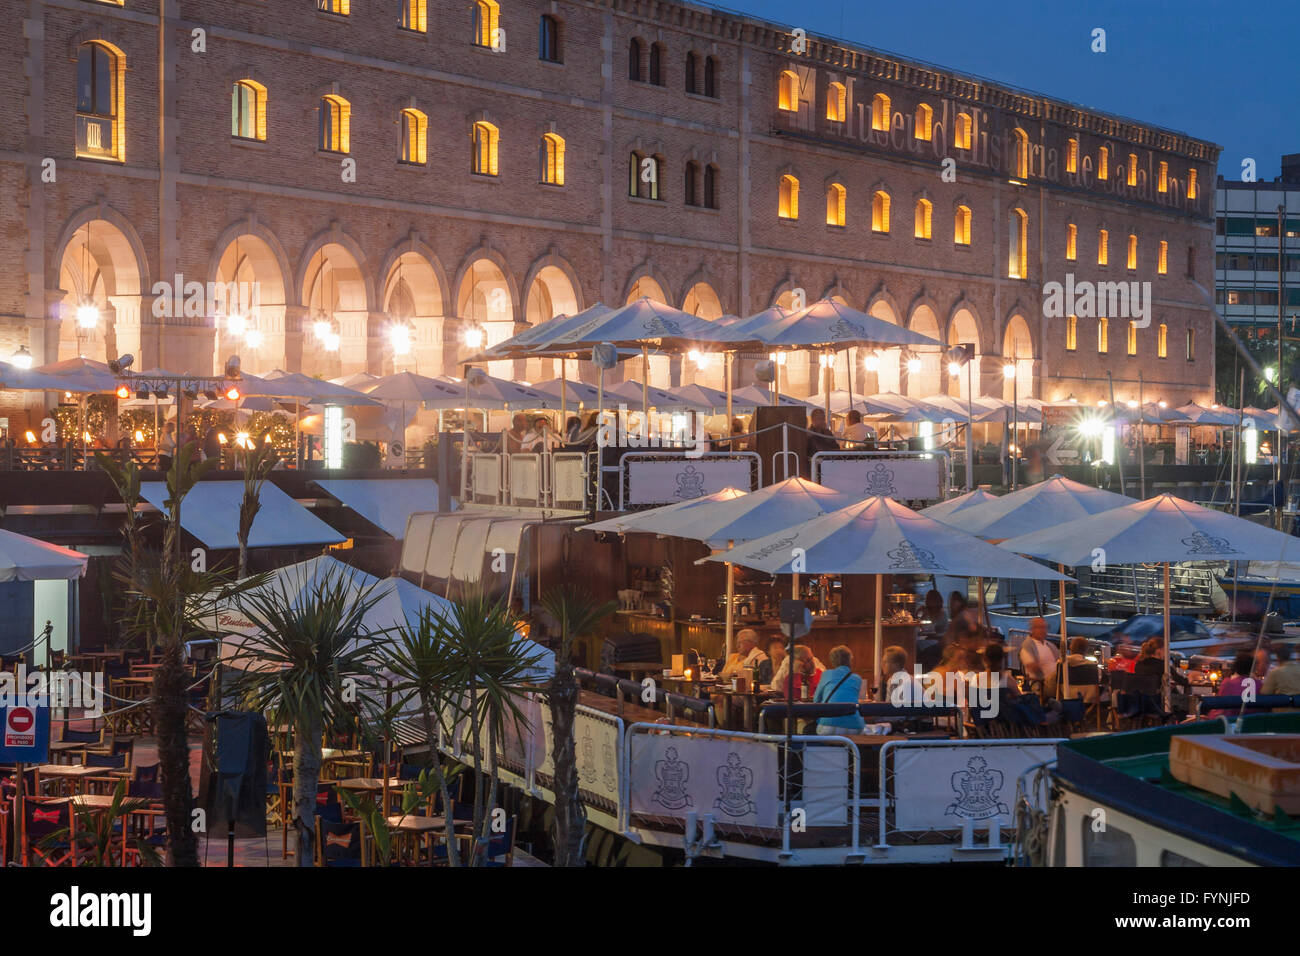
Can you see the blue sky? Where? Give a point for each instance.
(1228, 72)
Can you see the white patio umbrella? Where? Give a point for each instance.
(1200, 415)
(878, 536)
(568, 392)
(361, 381)
(410, 387)
(1162, 529)
(632, 520)
(699, 398)
(82, 375)
(751, 396)
(490, 392)
(17, 379)
(969, 500)
(29, 559)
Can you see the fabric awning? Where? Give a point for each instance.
(210, 513)
(29, 559)
(385, 503)
(454, 546)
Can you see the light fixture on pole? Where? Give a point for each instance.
(472, 336)
(959, 355)
(1009, 372)
(21, 358)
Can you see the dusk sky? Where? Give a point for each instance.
(1223, 71)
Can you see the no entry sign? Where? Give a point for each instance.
(26, 734)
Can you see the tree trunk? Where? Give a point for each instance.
(171, 731)
(435, 767)
(570, 814)
(243, 558)
(306, 777)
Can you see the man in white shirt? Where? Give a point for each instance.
(1038, 658)
(858, 431)
(747, 654)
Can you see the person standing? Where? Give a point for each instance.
(167, 447)
(1038, 658)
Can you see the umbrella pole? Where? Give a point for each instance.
(645, 389)
(1166, 694)
(878, 632)
(828, 379)
(297, 434)
(731, 604)
(726, 364)
(794, 586)
(1064, 638)
(564, 392)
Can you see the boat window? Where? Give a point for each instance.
(1170, 858)
(1108, 847)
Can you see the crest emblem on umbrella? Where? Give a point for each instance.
(908, 556)
(780, 545)
(880, 481)
(844, 329)
(659, 326)
(1201, 543)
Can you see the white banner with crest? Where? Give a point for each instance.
(596, 748)
(937, 787)
(660, 482)
(731, 778)
(903, 479)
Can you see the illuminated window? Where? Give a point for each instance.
(1071, 333)
(655, 75)
(1132, 170)
(1018, 259)
(924, 122)
(711, 77)
(1131, 260)
(1162, 263)
(548, 39)
(1132, 338)
(880, 211)
(1103, 163)
(415, 15)
(789, 91)
(922, 216)
(643, 175)
(836, 196)
(1162, 184)
(880, 112)
(711, 175)
(100, 95)
(634, 60)
(335, 124)
(788, 207)
(1022, 154)
(248, 110)
(1191, 184)
(340, 7)
(961, 136)
(550, 159)
(1102, 344)
(961, 226)
(415, 137)
(1162, 341)
(1191, 345)
(485, 138)
(1103, 247)
(1072, 155)
(1071, 242)
(837, 98)
(485, 22)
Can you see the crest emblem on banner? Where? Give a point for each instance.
(735, 781)
(880, 481)
(672, 775)
(690, 484)
(977, 788)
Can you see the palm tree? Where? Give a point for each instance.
(576, 614)
(258, 461)
(311, 668)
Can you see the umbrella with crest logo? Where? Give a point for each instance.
(1160, 530)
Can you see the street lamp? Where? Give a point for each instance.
(400, 337)
(21, 358)
(1009, 371)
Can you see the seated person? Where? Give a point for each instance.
(1285, 677)
(1077, 658)
(572, 428)
(858, 435)
(512, 441)
(775, 658)
(1151, 663)
(736, 442)
(898, 685)
(819, 437)
(960, 663)
(839, 685)
(808, 669)
(995, 661)
(1234, 686)
(542, 438)
(747, 654)
(933, 612)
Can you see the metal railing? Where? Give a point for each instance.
(1189, 585)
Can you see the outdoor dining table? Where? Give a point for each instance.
(426, 829)
(639, 669)
(67, 774)
(61, 751)
(750, 699)
(370, 784)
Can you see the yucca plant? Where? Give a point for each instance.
(95, 831)
(257, 462)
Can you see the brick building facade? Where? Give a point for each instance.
(377, 171)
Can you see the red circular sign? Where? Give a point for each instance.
(21, 719)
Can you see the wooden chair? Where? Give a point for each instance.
(41, 821)
(341, 844)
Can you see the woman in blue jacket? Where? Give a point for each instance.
(839, 685)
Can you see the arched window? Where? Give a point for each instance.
(1132, 171)
(643, 175)
(415, 15)
(921, 214)
(788, 92)
(656, 73)
(248, 110)
(961, 226)
(1072, 155)
(880, 211)
(1162, 183)
(1071, 333)
(837, 98)
(924, 122)
(1022, 153)
(690, 179)
(692, 65)
(1018, 255)
(1162, 261)
(836, 197)
(880, 112)
(335, 124)
(1103, 163)
(1162, 341)
(100, 93)
(1131, 260)
(1071, 242)
(634, 60)
(415, 137)
(1103, 342)
(1191, 188)
(962, 133)
(483, 159)
(711, 77)
(548, 39)
(1103, 247)
(1132, 338)
(550, 159)
(338, 7)
(788, 206)
(711, 198)
(485, 22)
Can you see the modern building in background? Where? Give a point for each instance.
(1248, 241)
(391, 186)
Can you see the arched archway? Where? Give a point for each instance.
(336, 324)
(550, 293)
(707, 368)
(963, 328)
(660, 373)
(102, 278)
(887, 371)
(1018, 350)
(486, 309)
(928, 379)
(412, 301)
(249, 268)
